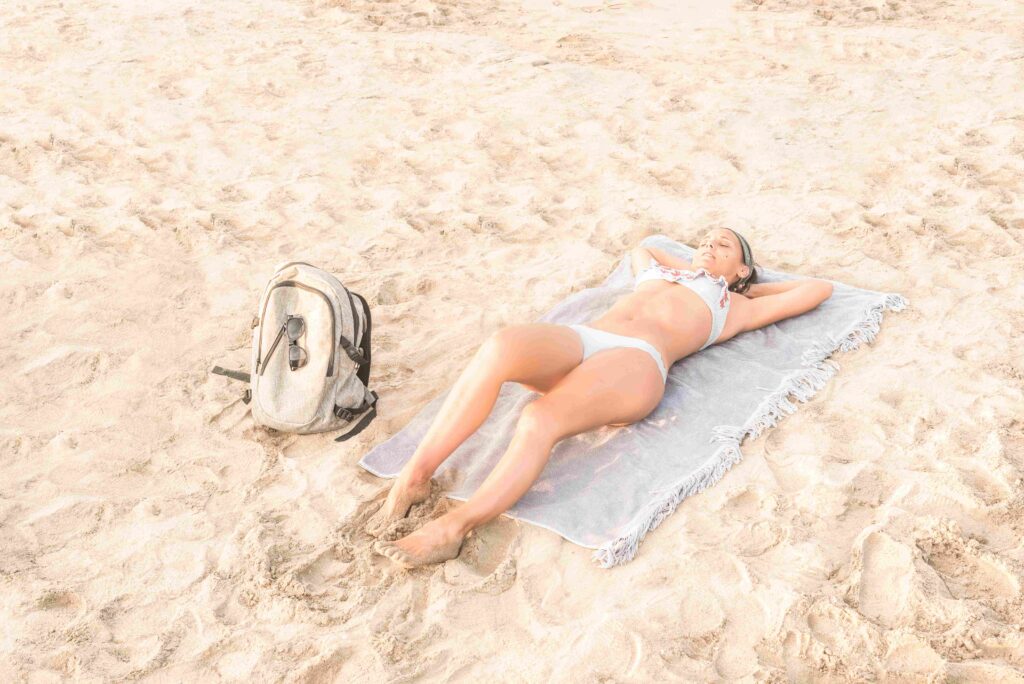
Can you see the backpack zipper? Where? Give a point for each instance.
(292, 283)
(351, 303)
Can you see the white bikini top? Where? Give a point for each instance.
(714, 290)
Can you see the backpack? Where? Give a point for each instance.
(310, 361)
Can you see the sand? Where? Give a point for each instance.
(466, 165)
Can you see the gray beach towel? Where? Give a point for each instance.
(607, 488)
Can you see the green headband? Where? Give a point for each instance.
(747, 258)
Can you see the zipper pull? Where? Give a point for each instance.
(262, 367)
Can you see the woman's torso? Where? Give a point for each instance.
(661, 310)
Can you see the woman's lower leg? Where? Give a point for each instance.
(470, 401)
(536, 353)
(519, 467)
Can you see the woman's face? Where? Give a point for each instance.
(721, 254)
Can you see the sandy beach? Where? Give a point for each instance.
(466, 166)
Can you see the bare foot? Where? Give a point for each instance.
(435, 542)
(404, 493)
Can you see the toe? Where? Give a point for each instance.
(402, 557)
(393, 553)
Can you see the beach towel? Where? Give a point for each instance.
(607, 488)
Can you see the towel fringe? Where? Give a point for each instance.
(624, 548)
(802, 385)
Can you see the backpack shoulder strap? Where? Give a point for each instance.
(364, 421)
(364, 344)
(236, 375)
(233, 374)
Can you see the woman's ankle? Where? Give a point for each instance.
(415, 475)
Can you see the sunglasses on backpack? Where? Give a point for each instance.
(293, 327)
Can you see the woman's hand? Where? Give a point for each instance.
(640, 259)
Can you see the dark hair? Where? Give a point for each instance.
(743, 284)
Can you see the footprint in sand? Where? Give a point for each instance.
(838, 626)
(966, 569)
(749, 501)
(486, 563)
(688, 621)
(885, 580)
(757, 530)
(909, 658)
(613, 651)
(990, 487)
(758, 538)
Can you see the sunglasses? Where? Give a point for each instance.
(294, 327)
(296, 355)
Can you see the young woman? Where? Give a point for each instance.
(611, 371)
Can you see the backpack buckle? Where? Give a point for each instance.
(352, 351)
(349, 414)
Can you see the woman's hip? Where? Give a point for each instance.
(595, 340)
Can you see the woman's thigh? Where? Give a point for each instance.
(616, 386)
(536, 355)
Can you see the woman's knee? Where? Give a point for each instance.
(502, 349)
(540, 420)
(494, 350)
(498, 341)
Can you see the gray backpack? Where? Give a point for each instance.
(310, 362)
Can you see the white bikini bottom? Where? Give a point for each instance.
(595, 340)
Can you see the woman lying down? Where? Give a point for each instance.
(610, 371)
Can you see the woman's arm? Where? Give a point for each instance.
(641, 259)
(762, 289)
(774, 302)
